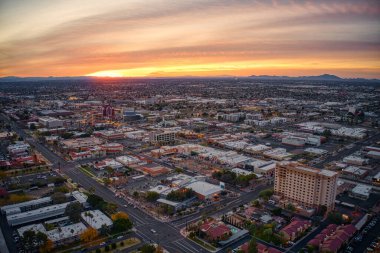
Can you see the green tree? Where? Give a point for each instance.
(326, 133)
(290, 207)
(152, 196)
(266, 194)
(32, 127)
(252, 246)
(58, 198)
(148, 248)
(41, 238)
(121, 225)
(28, 238)
(73, 210)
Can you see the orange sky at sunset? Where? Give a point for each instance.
(189, 38)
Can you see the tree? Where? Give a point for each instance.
(58, 198)
(152, 196)
(89, 234)
(110, 208)
(104, 229)
(322, 210)
(27, 239)
(256, 203)
(252, 246)
(121, 225)
(106, 181)
(147, 248)
(119, 215)
(290, 207)
(3, 175)
(62, 188)
(277, 211)
(73, 210)
(266, 194)
(41, 238)
(96, 202)
(32, 127)
(326, 133)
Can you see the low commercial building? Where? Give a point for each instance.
(361, 191)
(277, 154)
(205, 190)
(59, 236)
(355, 172)
(376, 179)
(50, 122)
(109, 135)
(355, 160)
(127, 160)
(267, 169)
(154, 170)
(112, 148)
(373, 154)
(37, 214)
(96, 219)
(80, 143)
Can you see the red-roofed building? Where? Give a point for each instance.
(216, 231)
(295, 228)
(261, 248)
(332, 241)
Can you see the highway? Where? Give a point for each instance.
(167, 235)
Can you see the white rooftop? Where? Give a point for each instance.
(204, 188)
(362, 189)
(96, 219)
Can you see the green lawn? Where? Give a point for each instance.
(127, 244)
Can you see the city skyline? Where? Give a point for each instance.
(197, 38)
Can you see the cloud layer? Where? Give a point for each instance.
(174, 38)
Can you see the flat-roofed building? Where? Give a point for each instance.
(37, 214)
(307, 186)
(96, 219)
(50, 122)
(162, 137)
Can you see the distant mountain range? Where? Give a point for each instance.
(32, 79)
(324, 77)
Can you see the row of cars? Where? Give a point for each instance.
(360, 236)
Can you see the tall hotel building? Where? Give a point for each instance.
(306, 186)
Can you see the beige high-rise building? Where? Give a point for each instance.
(307, 186)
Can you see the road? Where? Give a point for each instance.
(167, 234)
(346, 152)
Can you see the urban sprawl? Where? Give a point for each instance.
(189, 165)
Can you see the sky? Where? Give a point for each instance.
(157, 38)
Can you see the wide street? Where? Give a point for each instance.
(167, 235)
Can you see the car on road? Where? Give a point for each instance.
(153, 231)
(120, 237)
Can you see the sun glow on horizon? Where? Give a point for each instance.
(107, 73)
(238, 68)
